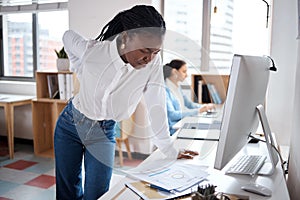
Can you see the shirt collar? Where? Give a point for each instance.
(116, 58)
(171, 85)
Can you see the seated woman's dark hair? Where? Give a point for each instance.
(139, 16)
(174, 64)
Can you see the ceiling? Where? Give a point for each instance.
(27, 2)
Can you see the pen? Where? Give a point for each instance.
(133, 190)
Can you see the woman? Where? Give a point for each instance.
(178, 105)
(115, 70)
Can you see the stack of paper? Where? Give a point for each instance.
(174, 178)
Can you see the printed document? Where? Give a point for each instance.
(175, 177)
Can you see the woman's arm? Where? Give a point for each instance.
(75, 46)
(175, 113)
(196, 106)
(155, 99)
(188, 103)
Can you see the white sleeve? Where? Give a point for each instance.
(155, 98)
(75, 46)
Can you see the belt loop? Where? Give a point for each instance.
(70, 100)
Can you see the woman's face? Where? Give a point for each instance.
(140, 49)
(182, 73)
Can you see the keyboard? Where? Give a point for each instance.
(203, 126)
(247, 164)
(212, 114)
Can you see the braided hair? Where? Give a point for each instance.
(139, 16)
(174, 64)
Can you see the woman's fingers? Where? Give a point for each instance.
(187, 154)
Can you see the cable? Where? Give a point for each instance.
(268, 8)
(273, 67)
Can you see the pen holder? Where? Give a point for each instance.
(206, 192)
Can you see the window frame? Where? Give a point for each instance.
(59, 6)
(34, 53)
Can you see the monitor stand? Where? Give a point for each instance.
(268, 168)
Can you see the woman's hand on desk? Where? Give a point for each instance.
(207, 107)
(187, 154)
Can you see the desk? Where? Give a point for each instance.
(225, 183)
(9, 101)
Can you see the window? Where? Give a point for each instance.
(206, 34)
(29, 40)
(221, 32)
(184, 30)
(17, 44)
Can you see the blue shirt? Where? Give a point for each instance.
(175, 113)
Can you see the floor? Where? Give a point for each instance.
(28, 177)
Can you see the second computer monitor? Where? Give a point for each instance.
(246, 90)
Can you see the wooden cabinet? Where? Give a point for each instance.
(219, 81)
(45, 112)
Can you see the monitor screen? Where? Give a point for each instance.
(246, 90)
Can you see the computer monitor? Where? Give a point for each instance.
(243, 108)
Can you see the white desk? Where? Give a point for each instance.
(224, 183)
(9, 101)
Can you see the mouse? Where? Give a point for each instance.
(257, 189)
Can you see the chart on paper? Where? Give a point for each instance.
(177, 176)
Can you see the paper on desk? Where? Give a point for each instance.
(177, 176)
(143, 190)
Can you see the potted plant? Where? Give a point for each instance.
(62, 61)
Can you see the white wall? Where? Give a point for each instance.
(280, 98)
(284, 97)
(89, 16)
(294, 172)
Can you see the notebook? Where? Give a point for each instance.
(212, 134)
(202, 126)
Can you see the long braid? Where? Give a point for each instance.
(137, 17)
(111, 28)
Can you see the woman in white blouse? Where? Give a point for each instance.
(178, 105)
(115, 70)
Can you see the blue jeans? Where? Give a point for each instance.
(76, 138)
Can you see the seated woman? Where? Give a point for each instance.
(178, 105)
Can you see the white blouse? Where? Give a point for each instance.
(112, 89)
(176, 92)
